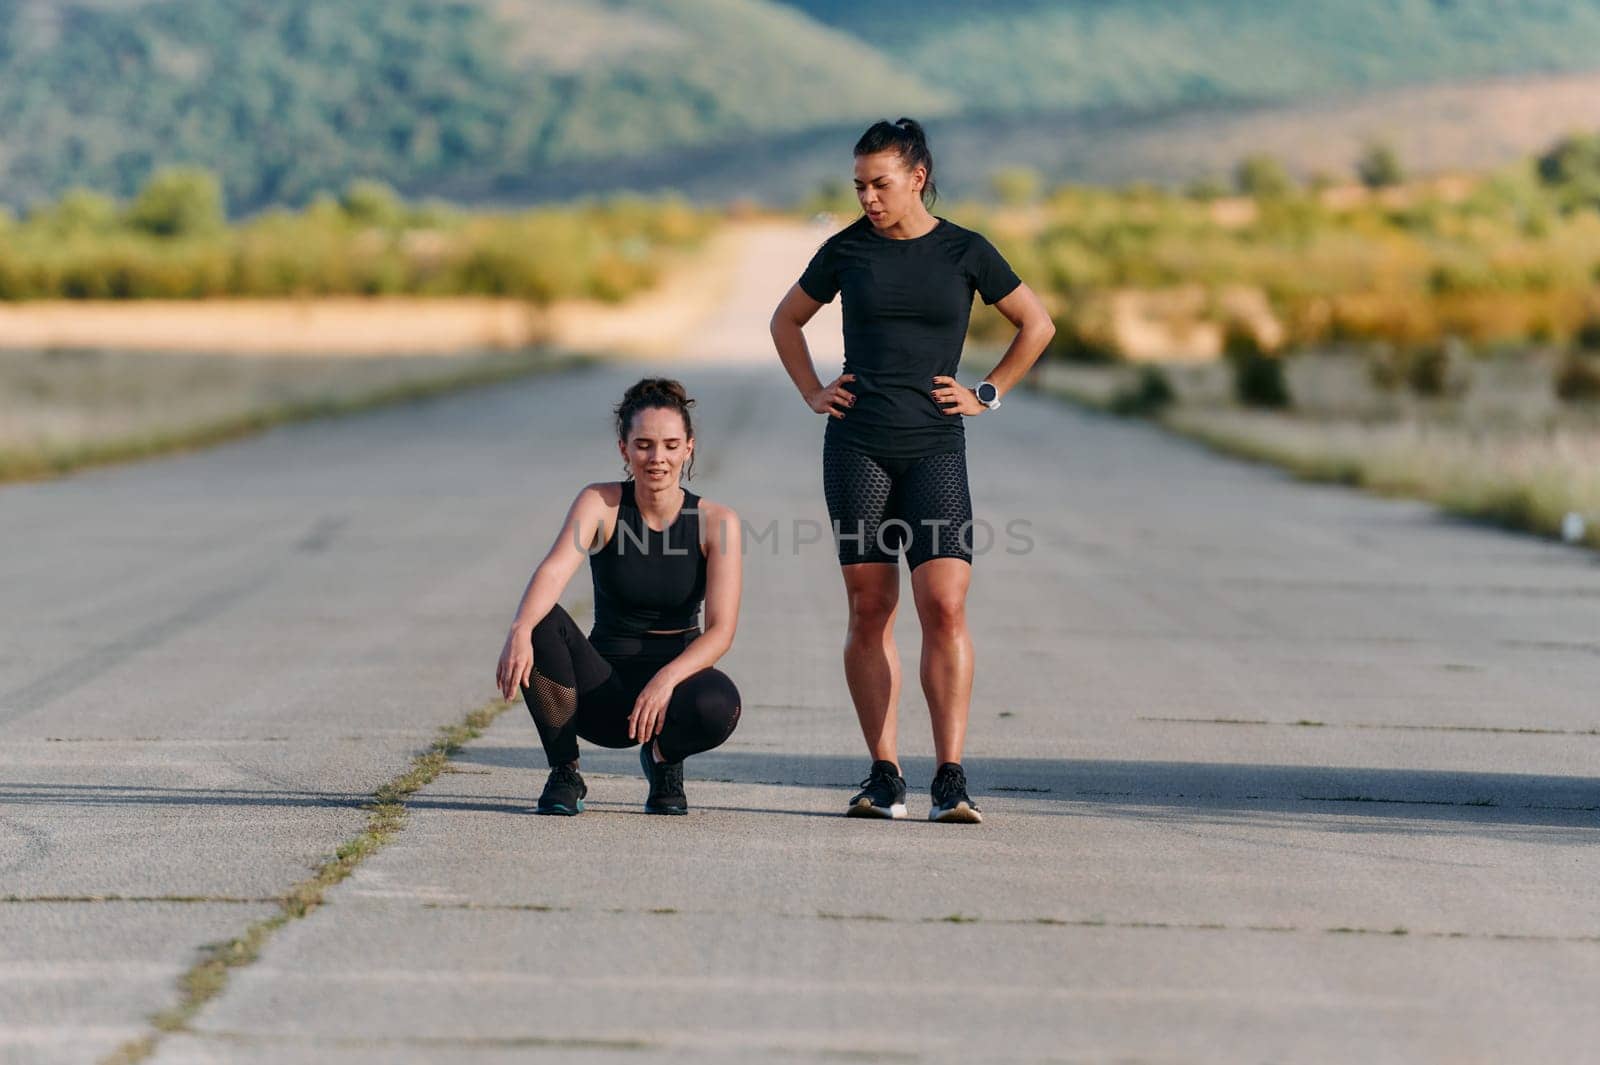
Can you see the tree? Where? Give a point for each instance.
(77, 211)
(1263, 177)
(1571, 168)
(179, 202)
(372, 203)
(1379, 166)
(1574, 159)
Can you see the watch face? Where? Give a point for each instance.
(987, 393)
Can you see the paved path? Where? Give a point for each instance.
(1273, 772)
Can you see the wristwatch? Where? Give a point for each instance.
(988, 395)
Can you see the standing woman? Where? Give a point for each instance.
(894, 467)
(643, 673)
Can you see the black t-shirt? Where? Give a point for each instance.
(906, 306)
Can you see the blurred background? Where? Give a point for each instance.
(1358, 238)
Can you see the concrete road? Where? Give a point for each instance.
(1272, 772)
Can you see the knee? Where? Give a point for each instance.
(715, 703)
(551, 631)
(871, 610)
(719, 696)
(944, 614)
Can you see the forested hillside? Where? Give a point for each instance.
(1009, 55)
(475, 97)
(287, 98)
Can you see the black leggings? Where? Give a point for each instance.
(578, 691)
(881, 506)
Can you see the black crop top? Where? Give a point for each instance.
(644, 579)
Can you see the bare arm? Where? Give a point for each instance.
(1024, 310)
(724, 551)
(584, 522)
(788, 336)
(724, 579)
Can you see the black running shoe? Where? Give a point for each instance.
(882, 794)
(563, 794)
(666, 784)
(950, 799)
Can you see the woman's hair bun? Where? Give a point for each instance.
(913, 127)
(664, 388)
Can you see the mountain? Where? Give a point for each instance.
(1009, 56)
(1454, 126)
(295, 96)
(508, 99)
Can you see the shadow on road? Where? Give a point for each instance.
(1142, 788)
(1346, 798)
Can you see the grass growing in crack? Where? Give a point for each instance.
(386, 815)
(1397, 930)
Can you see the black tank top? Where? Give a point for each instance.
(644, 579)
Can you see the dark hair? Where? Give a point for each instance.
(906, 137)
(651, 393)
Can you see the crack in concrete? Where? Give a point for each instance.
(233, 900)
(1058, 922)
(1375, 725)
(758, 1051)
(188, 740)
(207, 977)
(485, 1042)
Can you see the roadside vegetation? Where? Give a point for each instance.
(173, 241)
(62, 411)
(1436, 338)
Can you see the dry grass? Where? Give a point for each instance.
(63, 410)
(1523, 479)
(1502, 451)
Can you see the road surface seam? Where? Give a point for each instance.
(386, 817)
(1046, 922)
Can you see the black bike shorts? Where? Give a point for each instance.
(880, 507)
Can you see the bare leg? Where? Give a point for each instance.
(871, 660)
(939, 587)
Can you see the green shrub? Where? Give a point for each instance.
(1263, 177)
(1149, 394)
(1379, 166)
(1587, 336)
(372, 203)
(1435, 371)
(1258, 378)
(78, 211)
(1578, 379)
(172, 244)
(178, 202)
